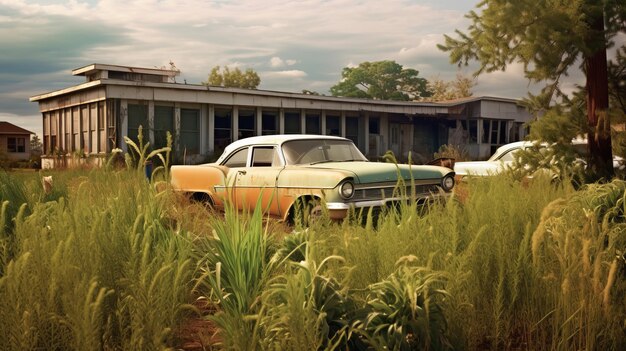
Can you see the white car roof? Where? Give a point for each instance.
(274, 140)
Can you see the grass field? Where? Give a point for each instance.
(105, 261)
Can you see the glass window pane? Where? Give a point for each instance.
(269, 123)
(238, 159)
(163, 123)
(246, 123)
(312, 124)
(352, 129)
(137, 116)
(264, 157)
(292, 123)
(333, 125)
(190, 131)
(223, 123)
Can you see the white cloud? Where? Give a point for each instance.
(294, 45)
(285, 74)
(278, 62)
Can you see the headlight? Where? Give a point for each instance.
(447, 183)
(346, 190)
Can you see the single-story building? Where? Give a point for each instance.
(93, 118)
(14, 142)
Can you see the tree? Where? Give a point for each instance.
(233, 78)
(381, 80)
(548, 38)
(458, 88)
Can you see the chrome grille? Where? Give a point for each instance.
(390, 190)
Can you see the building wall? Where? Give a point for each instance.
(15, 156)
(202, 121)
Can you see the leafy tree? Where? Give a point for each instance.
(233, 78)
(548, 38)
(36, 149)
(381, 80)
(458, 88)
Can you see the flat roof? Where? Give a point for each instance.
(94, 67)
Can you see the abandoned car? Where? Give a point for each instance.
(505, 156)
(320, 173)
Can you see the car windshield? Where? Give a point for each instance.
(313, 151)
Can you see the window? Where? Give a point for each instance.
(190, 131)
(265, 157)
(137, 116)
(312, 123)
(352, 129)
(237, 159)
(374, 125)
(292, 123)
(246, 123)
(223, 122)
(269, 123)
(163, 123)
(333, 125)
(509, 156)
(15, 145)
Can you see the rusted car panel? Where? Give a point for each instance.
(277, 171)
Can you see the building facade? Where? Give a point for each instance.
(93, 118)
(14, 142)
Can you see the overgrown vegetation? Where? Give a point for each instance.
(107, 261)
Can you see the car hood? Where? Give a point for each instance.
(479, 168)
(374, 172)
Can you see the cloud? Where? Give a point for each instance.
(294, 45)
(278, 62)
(286, 74)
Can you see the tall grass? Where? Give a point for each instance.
(235, 267)
(106, 262)
(101, 268)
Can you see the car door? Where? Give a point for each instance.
(236, 163)
(256, 184)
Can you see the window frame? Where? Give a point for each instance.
(16, 147)
(232, 154)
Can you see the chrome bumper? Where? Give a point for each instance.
(342, 206)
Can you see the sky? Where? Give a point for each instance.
(292, 45)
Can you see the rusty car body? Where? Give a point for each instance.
(280, 171)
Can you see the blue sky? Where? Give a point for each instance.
(293, 45)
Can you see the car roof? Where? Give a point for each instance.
(276, 140)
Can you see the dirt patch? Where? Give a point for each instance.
(197, 333)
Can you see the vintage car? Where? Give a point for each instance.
(281, 172)
(505, 156)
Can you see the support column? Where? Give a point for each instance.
(366, 132)
(384, 132)
(150, 126)
(210, 127)
(176, 131)
(258, 126)
(123, 124)
(97, 128)
(343, 124)
(323, 121)
(303, 121)
(235, 123)
(281, 121)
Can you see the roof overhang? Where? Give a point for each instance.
(89, 69)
